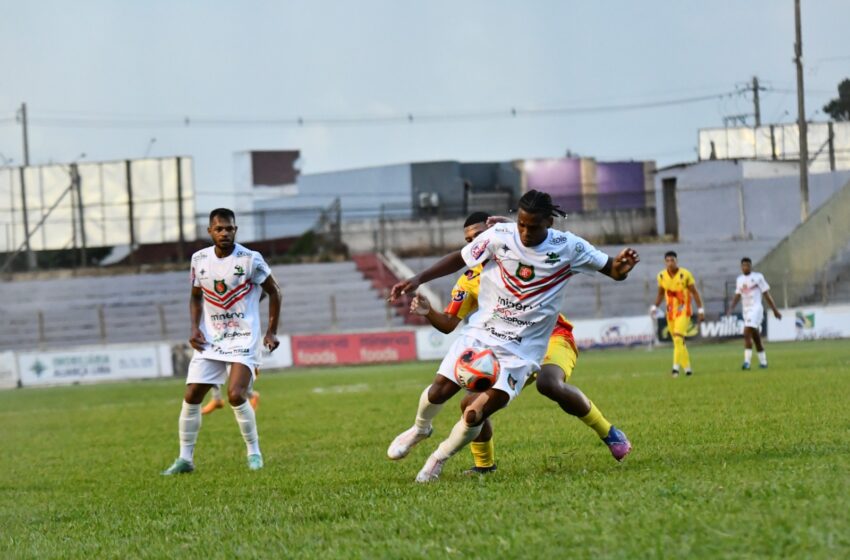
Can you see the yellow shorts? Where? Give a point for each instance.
(679, 325)
(559, 353)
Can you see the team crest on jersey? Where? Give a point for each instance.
(552, 258)
(238, 270)
(220, 287)
(512, 382)
(525, 272)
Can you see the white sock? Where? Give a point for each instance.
(675, 367)
(247, 421)
(763, 358)
(188, 427)
(748, 355)
(426, 412)
(216, 392)
(457, 440)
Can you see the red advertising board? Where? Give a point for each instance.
(338, 349)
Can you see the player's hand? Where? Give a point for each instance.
(626, 260)
(403, 287)
(420, 305)
(197, 340)
(493, 220)
(777, 314)
(700, 316)
(271, 342)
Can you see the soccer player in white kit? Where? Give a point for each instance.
(749, 289)
(527, 266)
(227, 279)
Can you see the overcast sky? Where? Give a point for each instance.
(131, 71)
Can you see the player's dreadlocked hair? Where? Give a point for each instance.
(537, 202)
(476, 218)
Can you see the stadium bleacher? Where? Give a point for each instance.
(714, 265)
(154, 306)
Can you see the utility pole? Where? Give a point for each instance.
(756, 104)
(26, 133)
(801, 118)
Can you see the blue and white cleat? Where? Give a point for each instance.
(745, 366)
(255, 462)
(762, 366)
(618, 444)
(179, 466)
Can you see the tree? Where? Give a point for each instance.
(839, 109)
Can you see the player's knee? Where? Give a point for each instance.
(235, 395)
(473, 416)
(193, 394)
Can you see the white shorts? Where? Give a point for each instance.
(753, 317)
(211, 372)
(515, 371)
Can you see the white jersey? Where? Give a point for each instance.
(521, 287)
(231, 308)
(751, 287)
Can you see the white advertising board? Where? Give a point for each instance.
(8, 370)
(280, 358)
(94, 365)
(431, 344)
(810, 323)
(608, 333)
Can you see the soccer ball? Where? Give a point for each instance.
(477, 369)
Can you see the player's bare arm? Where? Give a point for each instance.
(772, 305)
(658, 298)
(734, 304)
(270, 287)
(618, 268)
(443, 322)
(196, 308)
(695, 293)
(449, 264)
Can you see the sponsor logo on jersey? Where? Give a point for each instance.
(459, 296)
(524, 272)
(220, 287)
(505, 302)
(479, 247)
(238, 270)
(559, 240)
(227, 315)
(242, 254)
(552, 258)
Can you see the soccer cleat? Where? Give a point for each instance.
(689, 372)
(431, 470)
(405, 441)
(255, 462)
(618, 444)
(762, 366)
(480, 470)
(255, 400)
(212, 406)
(180, 466)
(675, 373)
(745, 366)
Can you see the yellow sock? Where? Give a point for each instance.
(596, 421)
(678, 346)
(685, 357)
(483, 453)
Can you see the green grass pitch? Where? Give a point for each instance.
(726, 464)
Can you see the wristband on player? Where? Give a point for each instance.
(701, 311)
(653, 309)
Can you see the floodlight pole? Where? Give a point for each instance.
(801, 118)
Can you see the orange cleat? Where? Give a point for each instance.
(255, 400)
(212, 406)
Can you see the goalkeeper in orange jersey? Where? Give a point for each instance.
(679, 286)
(556, 368)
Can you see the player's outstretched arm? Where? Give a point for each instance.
(196, 308)
(772, 305)
(734, 304)
(271, 288)
(443, 322)
(618, 268)
(449, 264)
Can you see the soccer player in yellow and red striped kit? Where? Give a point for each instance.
(679, 286)
(556, 368)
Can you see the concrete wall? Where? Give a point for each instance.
(727, 199)
(439, 235)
